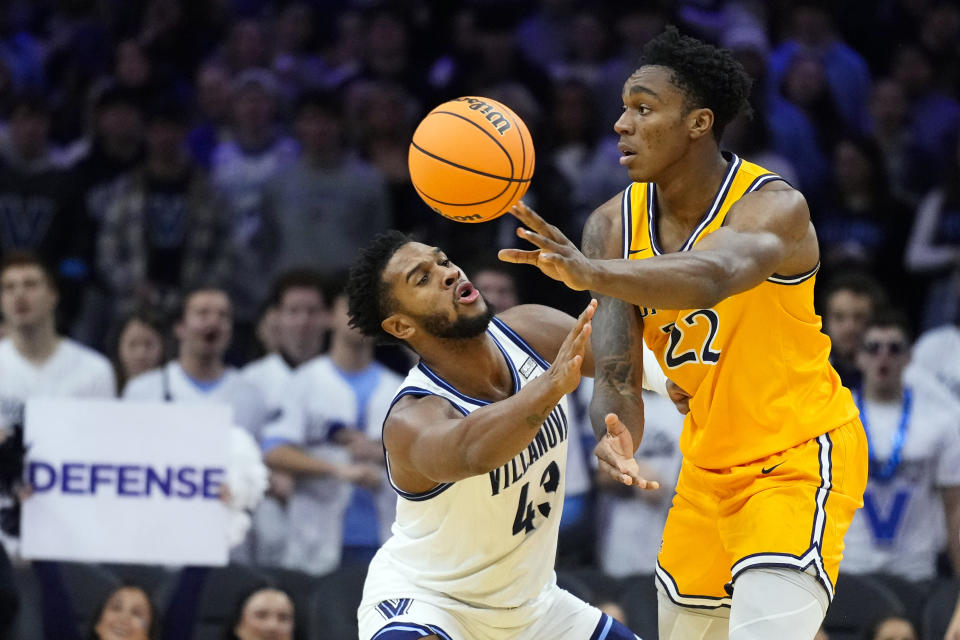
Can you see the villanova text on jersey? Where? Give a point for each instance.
(552, 432)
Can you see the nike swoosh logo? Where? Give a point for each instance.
(633, 251)
(766, 471)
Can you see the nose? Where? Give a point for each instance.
(621, 126)
(451, 277)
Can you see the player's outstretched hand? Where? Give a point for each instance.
(555, 255)
(615, 453)
(564, 373)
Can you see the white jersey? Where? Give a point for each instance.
(73, 371)
(170, 383)
(937, 354)
(488, 541)
(901, 526)
(272, 376)
(315, 407)
(632, 522)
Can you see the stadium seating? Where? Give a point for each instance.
(859, 601)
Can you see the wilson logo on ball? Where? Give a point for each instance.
(497, 119)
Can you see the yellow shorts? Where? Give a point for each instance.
(791, 509)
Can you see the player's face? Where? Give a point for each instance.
(267, 615)
(655, 124)
(26, 296)
(433, 294)
(846, 317)
(301, 321)
(207, 324)
(883, 356)
(126, 616)
(140, 348)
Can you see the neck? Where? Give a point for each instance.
(329, 158)
(487, 375)
(350, 355)
(295, 359)
(882, 393)
(36, 343)
(203, 369)
(254, 140)
(686, 189)
(160, 167)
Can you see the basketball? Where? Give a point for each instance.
(471, 159)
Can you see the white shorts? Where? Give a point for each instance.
(560, 615)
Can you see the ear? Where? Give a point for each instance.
(399, 326)
(700, 123)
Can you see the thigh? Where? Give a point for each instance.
(796, 514)
(785, 604)
(675, 622)
(693, 567)
(409, 619)
(569, 617)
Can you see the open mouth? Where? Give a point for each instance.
(466, 293)
(626, 153)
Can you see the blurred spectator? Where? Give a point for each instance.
(934, 116)
(301, 319)
(35, 361)
(631, 521)
(137, 346)
(497, 284)
(860, 223)
(242, 168)
(914, 462)
(849, 301)
(294, 63)
(213, 112)
(328, 193)
(590, 49)
(22, 54)
(933, 250)
(165, 230)
(813, 35)
(544, 36)
(330, 404)
(889, 120)
(268, 330)
(203, 330)
(265, 613)
(891, 628)
(246, 47)
(40, 207)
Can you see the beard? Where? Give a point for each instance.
(439, 326)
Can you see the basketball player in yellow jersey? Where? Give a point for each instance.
(712, 260)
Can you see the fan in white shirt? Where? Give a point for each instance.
(34, 359)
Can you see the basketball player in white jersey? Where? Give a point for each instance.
(199, 373)
(34, 359)
(476, 448)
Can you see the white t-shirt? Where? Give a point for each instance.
(632, 527)
(271, 375)
(170, 383)
(937, 354)
(317, 404)
(901, 527)
(73, 371)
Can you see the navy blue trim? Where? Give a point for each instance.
(603, 627)
(761, 180)
(792, 280)
(409, 630)
(626, 216)
(709, 216)
(440, 382)
(520, 342)
(673, 581)
(440, 488)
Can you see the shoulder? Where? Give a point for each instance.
(256, 370)
(543, 328)
(86, 355)
(603, 231)
(775, 204)
(144, 386)
(412, 412)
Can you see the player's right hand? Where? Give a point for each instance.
(615, 455)
(564, 373)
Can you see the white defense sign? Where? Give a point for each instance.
(125, 482)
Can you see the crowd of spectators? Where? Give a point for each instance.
(195, 176)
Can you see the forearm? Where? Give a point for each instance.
(292, 460)
(492, 435)
(687, 280)
(617, 343)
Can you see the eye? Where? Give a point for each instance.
(423, 279)
(445, 262)
(643, 109)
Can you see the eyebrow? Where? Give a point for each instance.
(420, 265)
(639, 88)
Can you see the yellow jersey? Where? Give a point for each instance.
(756, 364)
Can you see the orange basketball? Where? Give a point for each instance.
(471, 159)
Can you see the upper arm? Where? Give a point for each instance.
(545, 329)
(766, 232)
(422, 442)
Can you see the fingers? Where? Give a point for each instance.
(534, 221)
(539, 239)
(614, 425)
(516, 256)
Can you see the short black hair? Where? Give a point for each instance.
(26, 258)
(858, 283)
(367, 295)
(709, 76)
(298, 278)
(890, 317)
(181, 309)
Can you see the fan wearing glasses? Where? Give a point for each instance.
(913, 434)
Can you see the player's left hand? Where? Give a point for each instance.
(555, 256)
(615, 455)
